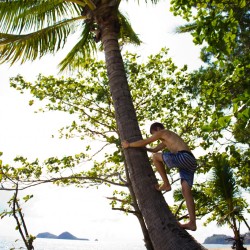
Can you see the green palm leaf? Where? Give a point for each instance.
(31, 29)
(223, 178)
(81, 51)
(225, 192)
(30, 46)
(127, 33)
(16, 17)
(87, 46)
(186, 28)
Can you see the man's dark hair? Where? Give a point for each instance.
(155, 126)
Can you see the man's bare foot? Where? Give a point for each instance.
(189, 226)
(163, 187)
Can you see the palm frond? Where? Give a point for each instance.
(186, 28)
(84, 48)
(77, 2)
(223, 178)
(36, 44)
(28, 16)
(90, 4)
(83, 3)
(224, 181)
(127, 33)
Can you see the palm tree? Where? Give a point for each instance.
(33, 28)
(226, 194)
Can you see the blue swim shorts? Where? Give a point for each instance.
(184, 161)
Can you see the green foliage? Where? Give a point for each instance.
(230, 205)
(220, 24)
(224, 82)
(223, 85)
(122, 200)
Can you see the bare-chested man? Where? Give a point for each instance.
(180, 157)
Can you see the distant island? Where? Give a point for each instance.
(223, 239)
(62, 236)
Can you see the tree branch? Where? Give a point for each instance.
(33, 183)
(124, 210)
(19, 226)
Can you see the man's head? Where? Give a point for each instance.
(156, 127)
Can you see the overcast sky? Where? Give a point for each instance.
(83, 212)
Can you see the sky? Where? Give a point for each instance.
(86, 213)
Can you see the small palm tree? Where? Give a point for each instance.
(227, 195)
(31, 29)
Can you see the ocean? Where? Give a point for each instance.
(54, 244)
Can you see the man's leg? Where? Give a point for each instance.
(158, 162)
(187, 194)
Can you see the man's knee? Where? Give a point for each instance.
(157, 157)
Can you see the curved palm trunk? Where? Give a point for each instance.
(161, 224)
(238, 241)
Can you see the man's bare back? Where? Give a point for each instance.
(172, 141)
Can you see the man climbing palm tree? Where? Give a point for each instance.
(180, 156)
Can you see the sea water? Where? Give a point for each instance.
(55, 244)
(7, 243)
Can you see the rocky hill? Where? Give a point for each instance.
(217, 239)
(64, 236)
(222, 239)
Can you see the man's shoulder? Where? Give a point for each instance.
(166, 131)
(163, 134)
(169, 134)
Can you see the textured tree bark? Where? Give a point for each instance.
(161, 224)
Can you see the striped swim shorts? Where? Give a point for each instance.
(184, 161)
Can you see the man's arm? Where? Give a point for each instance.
(157, 148)
(141, 143)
